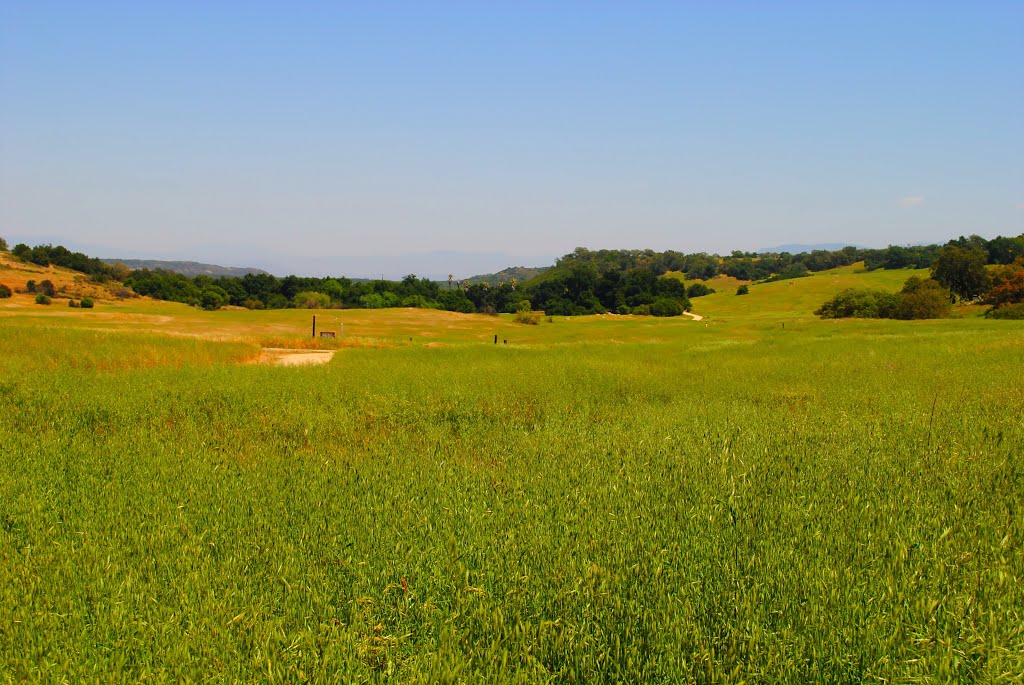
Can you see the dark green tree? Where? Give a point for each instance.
(962, 270)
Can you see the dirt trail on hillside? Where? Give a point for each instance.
(695, 317)
(285, 357)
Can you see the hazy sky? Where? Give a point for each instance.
(375, 128)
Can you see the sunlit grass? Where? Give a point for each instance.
(605, 499)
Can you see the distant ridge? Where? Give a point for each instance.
(189, 269)
(520, 273)
(797, 248)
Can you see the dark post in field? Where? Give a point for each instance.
(314, 325)
(495, 339)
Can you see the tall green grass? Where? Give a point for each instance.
(835, 503)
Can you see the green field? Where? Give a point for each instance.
(603, 499)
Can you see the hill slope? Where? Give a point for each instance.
(189, 269)
(520, 273)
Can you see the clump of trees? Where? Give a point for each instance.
(3, 244)
(5, 292)
(962, 270)
(584, 288)
(1006, 294)
(920, 298)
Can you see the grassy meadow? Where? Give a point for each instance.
(603, 499)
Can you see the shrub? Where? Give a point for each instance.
(921, 298)
(211, 300)
(527, 317)
(30, 286)
(1007, 311)
(253, 304)
(86, 303)
(664, 306)
(698, 290)
(5, 292)
(3, 244)
(46, 288)
(743, 290)
(860, 303)
(642, 310)
(42, 299)
(72, 304)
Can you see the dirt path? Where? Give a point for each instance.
(695, 317)
(285, 357)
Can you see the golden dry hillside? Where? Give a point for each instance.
(15, 274)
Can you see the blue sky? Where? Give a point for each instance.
(247, 131)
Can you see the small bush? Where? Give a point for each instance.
(253, 304)
(46, 288)
(489, 310)
(642, 310)
(743, 290)
(530, 318)
(1007, 311)
(43, 299)
(3, 244)
(72, 304)
(5, 292)
(86, 303)
(30, 286)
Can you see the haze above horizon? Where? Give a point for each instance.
(203, 131)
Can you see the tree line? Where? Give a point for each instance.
(584, 281)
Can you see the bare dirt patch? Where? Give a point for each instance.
(285, 357)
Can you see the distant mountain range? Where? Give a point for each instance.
(189, 269)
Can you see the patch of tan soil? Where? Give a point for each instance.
(285, 357)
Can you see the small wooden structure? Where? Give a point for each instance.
(327, 334)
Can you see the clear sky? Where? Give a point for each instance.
(232, 130)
